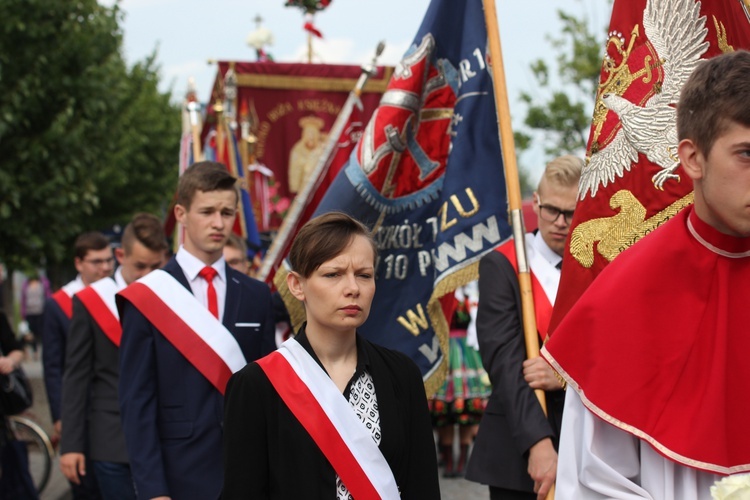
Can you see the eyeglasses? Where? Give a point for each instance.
(99, 262)
(550, 213)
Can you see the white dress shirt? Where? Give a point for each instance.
(119, 280)
(543, 262)
(191, 266)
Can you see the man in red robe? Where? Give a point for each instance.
(655, 349)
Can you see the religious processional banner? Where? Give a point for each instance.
(289, 109)
(344, 134)
(220, 145)
(427, 177)
(632, 181)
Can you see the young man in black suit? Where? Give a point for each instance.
(93, 260)
(515, 449)
(185, 330)
(90, 410)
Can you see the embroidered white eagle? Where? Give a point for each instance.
(677, 32)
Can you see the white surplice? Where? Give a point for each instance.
(600, 461)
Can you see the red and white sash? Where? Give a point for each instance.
(544, 294)
(99, 301)
(328, 417)
(64, 296)
(188, 326)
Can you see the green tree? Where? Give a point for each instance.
(142, 137)
(85, 141)
(562, 116)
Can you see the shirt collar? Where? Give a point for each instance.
(544, 250)
(119, 279)
(192, 265)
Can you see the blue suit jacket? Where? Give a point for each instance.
(172, 415)
(54, 337)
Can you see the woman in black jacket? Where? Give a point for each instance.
(330, 415)
(11, 350)
(15, 479)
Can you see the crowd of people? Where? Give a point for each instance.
(165, 378)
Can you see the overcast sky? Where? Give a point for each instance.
(187, 33)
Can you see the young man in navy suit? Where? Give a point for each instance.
(185, 330)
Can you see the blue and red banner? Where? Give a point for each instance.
(427, 177)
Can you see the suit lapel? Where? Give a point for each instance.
(233, 299)
(173, 268)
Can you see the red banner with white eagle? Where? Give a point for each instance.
(289, 109)
(632, 181)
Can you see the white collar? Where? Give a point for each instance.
(119, 279)
(192, 265)
(544, 250)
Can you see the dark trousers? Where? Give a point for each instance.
(503, 494)
(115, 481)
(89, 488)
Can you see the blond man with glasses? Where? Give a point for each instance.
(515, 449)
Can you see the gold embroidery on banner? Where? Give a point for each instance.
(285, 82)
(619, 78)
(721, 37)
(617, 233)
(305, 153)
(459, 207)
(436, 114)
(439, 324)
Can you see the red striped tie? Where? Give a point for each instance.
(208, 273)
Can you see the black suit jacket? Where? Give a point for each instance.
(54, 338)
(8, 341)
(172, 415)
(90, 410)
(513, 420)
(268, 454)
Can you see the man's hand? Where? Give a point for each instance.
(72, 466)
(542, 467)
(161, 498)
(540, 375)
(6, 365)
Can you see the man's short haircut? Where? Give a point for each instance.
(204, 176)
(86, 242)
(235, 241)
(147, 230)
(323, 238)
(563, 171)
(715, 95)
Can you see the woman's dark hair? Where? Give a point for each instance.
(323, 238)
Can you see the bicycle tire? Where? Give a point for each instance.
(41, 452)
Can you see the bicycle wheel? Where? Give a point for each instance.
(39, 446)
